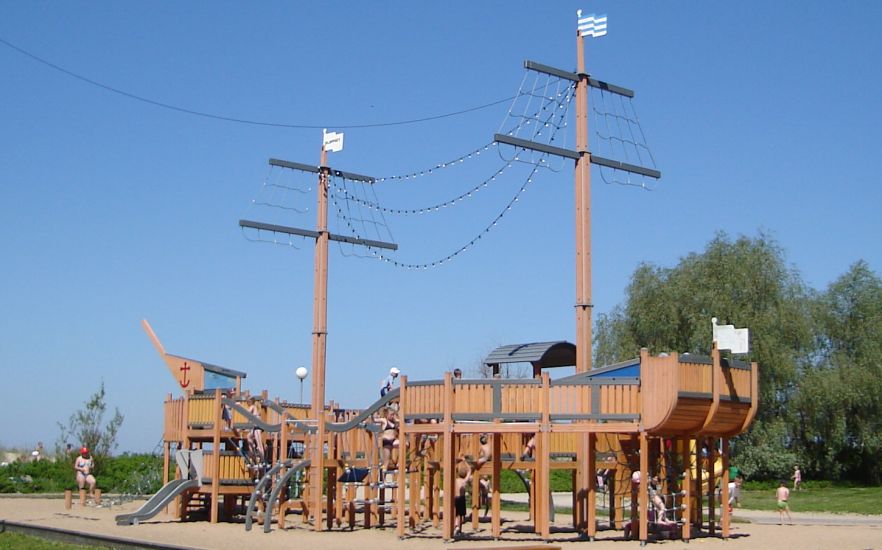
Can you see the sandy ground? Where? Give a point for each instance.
(819, 531)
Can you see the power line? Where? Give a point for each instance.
(184, 110)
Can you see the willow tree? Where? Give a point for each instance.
(839, 402)
(745, 282)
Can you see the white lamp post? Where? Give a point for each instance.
(301, 373)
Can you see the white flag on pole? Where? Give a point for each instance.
(591, 25)
(333, 141)
(728, 337)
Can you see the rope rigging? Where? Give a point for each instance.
(238, 120)
(538, 114)
(620, 136)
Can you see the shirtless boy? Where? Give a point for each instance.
(463, 477)
(783, 496)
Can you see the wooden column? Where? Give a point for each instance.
(216, 458)
(402, 456)
(724, 485)
(319, 341)
(711, 486)
(449, 460)
(166, 448)
(592, 486)
(583, 266)
(643, 497)
(496, 524)
(698, 510)
(542, 476)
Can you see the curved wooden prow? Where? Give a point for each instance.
(189, 374)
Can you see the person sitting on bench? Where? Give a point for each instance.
(83, 466)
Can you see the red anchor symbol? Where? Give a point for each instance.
(184, 381)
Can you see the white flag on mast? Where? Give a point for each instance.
(332, 141)
(591, 25)
(728, 337)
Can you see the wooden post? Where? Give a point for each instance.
(476, 485)
(414, 487)
(711, 486)
(698, 511)
(542, 477)
(166, 452)
(82, 497)
(724, 485)
(496, 524)
(319, 340)
(583, 268)
(644, 487)
(687, 488)
(592, 485)
(68, 499)
(402, 456)
(449, 459)
(216, 456)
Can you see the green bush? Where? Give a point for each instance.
(127, 473)
(509, 482)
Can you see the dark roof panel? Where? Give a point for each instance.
(547, 354)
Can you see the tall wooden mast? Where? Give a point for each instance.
(319, 339)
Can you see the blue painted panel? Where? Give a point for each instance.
(632, 370)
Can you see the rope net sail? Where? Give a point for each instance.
(620, 137)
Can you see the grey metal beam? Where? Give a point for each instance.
(316, 169)
(625, 166)
(575, 77)
(541, 147)
(363, 242)
(539, 67)
(352, 176)
(279, 228)
(294, 166)
(314, 234)
(601, 85)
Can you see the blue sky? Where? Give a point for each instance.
(761, 116)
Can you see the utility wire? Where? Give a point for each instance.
(242, 120)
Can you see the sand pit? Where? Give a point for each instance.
(163, 529)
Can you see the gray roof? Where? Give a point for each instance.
(546, 354)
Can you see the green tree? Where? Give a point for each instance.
(839, 402)
(745, 282)
(86, 427)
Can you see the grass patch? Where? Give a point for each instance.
(17, 541)
(838, 499)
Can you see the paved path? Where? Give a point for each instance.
(762, 517)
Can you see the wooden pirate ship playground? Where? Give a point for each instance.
(657, 426)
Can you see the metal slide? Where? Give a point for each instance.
(158, 501)
(261, 488)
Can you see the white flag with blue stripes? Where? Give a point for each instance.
(591, 25)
